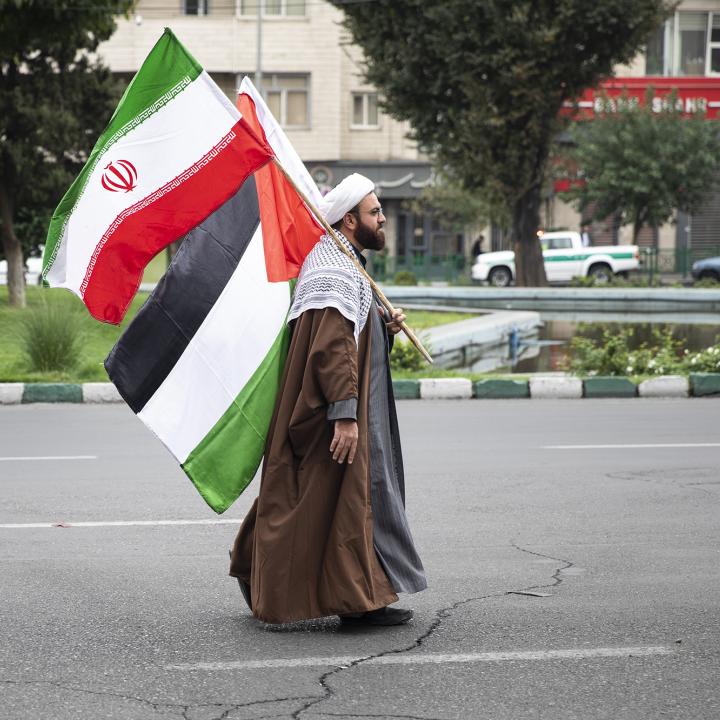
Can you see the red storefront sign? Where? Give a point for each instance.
(693, 94)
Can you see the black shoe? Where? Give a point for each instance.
(381, 616)
(244, 589)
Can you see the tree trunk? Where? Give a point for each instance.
(529, 265)
(637, 227)
(13, 253)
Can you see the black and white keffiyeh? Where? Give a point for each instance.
(329, 278)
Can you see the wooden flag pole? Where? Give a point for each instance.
(381, 296)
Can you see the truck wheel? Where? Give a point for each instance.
(500, 276)
(601, 272)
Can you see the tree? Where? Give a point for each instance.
(643, 161)
(483, 82)
(455, 206)
(54, 101)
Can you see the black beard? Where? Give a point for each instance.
(369, 239)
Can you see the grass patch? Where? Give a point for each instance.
(156, 268)
(97, 338)
(51, 337)
(424, 319)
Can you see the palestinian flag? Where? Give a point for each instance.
(202, 361)
(175, 150)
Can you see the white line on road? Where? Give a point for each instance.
(629, 446)
(429, 658)
(16, 458)
(120, 523)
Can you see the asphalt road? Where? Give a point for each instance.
(102, 620)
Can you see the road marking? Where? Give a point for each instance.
(629, 446)
(429, 658)
(120, 523)
(15, 458)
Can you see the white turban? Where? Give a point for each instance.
(345, 197)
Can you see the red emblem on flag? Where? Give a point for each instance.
(119, 175)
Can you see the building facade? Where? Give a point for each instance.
(311, 78)
(683, 55)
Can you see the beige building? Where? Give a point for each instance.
(311, 78)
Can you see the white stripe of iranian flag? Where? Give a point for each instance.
(161, 148)
(222, 356)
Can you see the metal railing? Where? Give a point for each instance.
(678, 261)
(454, 269)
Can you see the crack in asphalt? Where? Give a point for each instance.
(674, 476)
(557, 580)
(183, 710)
(226, 709)
(105, 693)
(440, 615)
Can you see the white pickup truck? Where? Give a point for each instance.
(565, 258)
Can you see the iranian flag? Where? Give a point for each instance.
(175, 150)
(202, 361)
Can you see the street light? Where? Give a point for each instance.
(258, 60)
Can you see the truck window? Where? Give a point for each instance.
(559, 243)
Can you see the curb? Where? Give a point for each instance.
(542, 387)
(704, 384)
(602, 386)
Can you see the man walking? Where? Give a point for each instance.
(328, 534)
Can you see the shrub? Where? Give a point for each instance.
(639, 281)
(707, 360)
(51, 337)
(707, 282)
(404, 356)
(405, 277)
(611, 354)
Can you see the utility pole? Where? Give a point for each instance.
(258, 60)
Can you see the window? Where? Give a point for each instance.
(195, 7)
(289, 8)
(714, 59)
(687, 44)
(655, 53)
(559, 243)
(692, 36)
(287, 98)
(365, 110)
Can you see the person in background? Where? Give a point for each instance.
(585, 235)
(477, 246)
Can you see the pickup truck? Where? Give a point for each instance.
(565, 258)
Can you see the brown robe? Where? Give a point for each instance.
(306, 546)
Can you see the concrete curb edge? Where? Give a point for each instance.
(695, 385)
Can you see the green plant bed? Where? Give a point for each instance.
(97, 338)
(616, 353)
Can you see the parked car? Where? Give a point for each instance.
(565, 258)
(707, 268)
(33, 270)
